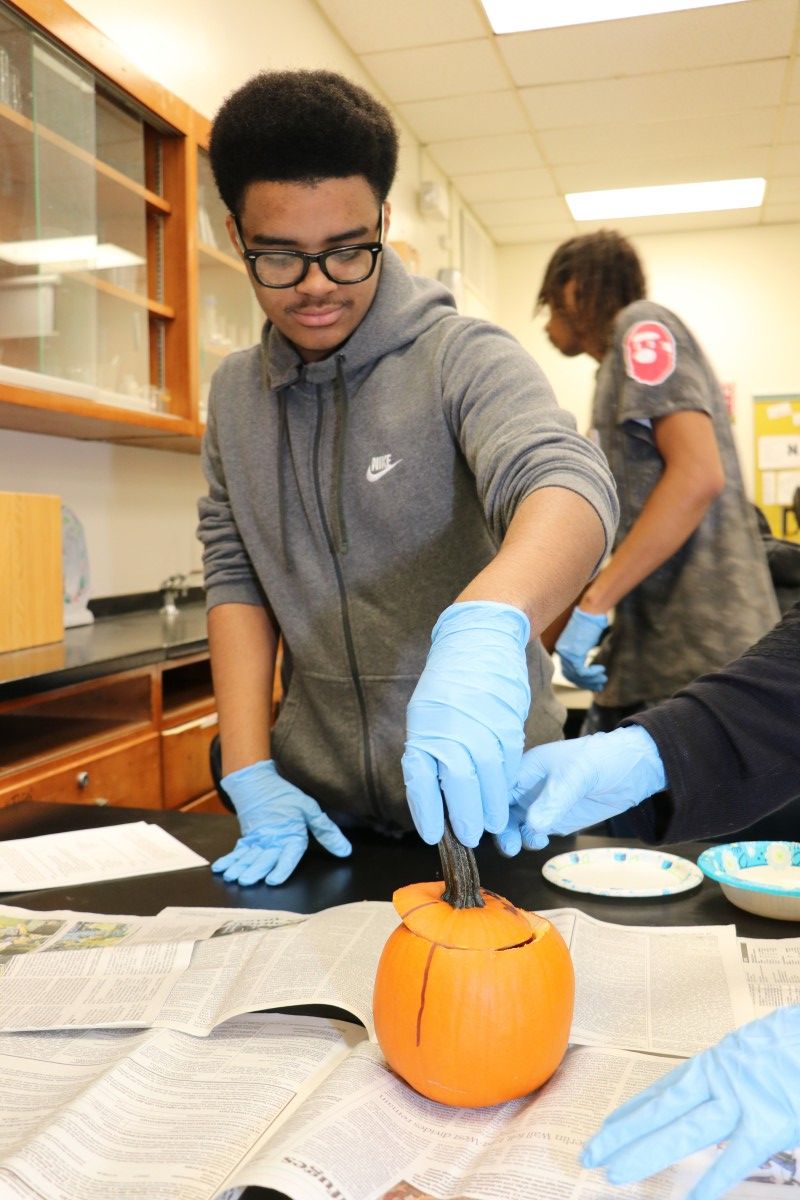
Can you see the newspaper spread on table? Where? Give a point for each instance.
(206, 1097)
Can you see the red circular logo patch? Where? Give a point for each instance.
(649, 349)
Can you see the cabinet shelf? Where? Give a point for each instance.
(166, 311)
(152, 199)
(27, 409)
(220, 257)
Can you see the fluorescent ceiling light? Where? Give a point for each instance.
(716, 196)
(518, 16)
(68, 254)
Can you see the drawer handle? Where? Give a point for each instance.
(82, 779)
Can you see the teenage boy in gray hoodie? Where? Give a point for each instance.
(378, 467)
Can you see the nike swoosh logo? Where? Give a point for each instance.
(373, 476)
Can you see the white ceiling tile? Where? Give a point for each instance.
(511, 185)
(517, 235)
(786, 160)
(368, 26)
(781, 214)
(507, 153)
(642, 139)
(784, 191)
(493, 112)
(689, 94)
(427, 73)
(790, 127)
(517, 212)
(662, 99)
(589, 177)
(794, 83)
(645, 45)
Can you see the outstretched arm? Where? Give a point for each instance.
(465, 721)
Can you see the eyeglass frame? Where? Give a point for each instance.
(251, 257)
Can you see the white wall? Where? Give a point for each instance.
(736, 289)
(138, 507)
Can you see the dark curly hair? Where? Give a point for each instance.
(301, 127)
(608, 276)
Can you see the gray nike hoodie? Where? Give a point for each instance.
(358, 496)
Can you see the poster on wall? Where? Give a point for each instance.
(776, 428)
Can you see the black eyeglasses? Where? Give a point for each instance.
(287, 268)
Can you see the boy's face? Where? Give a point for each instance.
(562, 328)
(316, 315)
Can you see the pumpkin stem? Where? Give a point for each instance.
(462, 884)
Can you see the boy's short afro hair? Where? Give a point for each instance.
(301, 127)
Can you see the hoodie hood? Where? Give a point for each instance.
(404, 307)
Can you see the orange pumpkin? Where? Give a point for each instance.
(472, 1004)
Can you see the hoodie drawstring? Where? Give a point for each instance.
(340, 411)
(283, 451)
(338, 529)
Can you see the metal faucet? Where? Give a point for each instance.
(173, 587)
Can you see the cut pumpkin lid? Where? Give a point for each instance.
(496, 926)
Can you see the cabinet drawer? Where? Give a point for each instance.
(185, 769)
(126, 776)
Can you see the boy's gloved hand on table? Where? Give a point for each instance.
(563, 787)
(744, 1091)
(465, 721)
(580, 635)
(275, 818)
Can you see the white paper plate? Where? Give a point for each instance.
(622, 871)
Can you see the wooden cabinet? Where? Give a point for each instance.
(138, 739)
(188, 724)
(128, 777)
(119, 291)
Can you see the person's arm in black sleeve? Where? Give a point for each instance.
(730, 743)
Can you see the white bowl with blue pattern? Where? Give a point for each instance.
(759, 877)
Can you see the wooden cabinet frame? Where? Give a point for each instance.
(136, 738)
(172, 209)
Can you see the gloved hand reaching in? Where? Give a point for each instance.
(465, 721)
(565, 786)
(580, 635)
(275, 819)
(743, 1091)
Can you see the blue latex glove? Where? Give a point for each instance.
(275, 817)
(744, 1091)
(580, 635)
(465, 721)
(566, 786)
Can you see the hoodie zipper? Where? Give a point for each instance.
(345, 613)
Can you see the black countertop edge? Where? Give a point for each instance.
(110, 645)
(117, 606)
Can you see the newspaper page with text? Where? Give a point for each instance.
(666, 990)
(304, 1105)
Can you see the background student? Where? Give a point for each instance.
(688, 580)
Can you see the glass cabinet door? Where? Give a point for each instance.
(230, 319)
(80, 309)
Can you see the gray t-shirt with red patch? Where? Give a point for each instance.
(714, 598)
